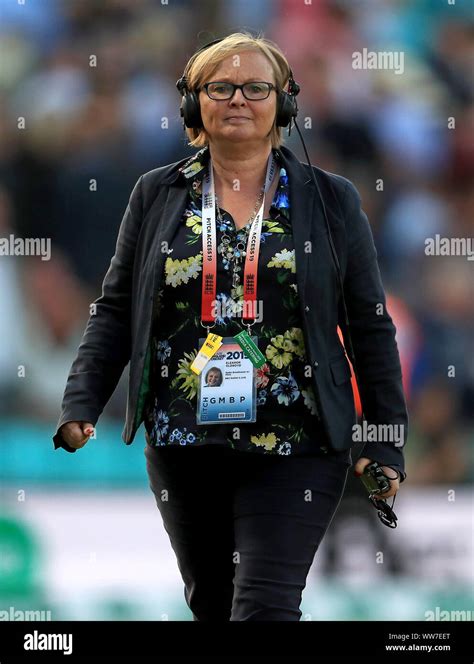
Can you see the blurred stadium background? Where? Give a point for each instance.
(80, 534)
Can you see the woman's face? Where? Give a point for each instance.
(213, 377)
(257, 117)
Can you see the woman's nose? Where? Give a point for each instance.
(237, 97)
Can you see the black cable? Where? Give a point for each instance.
(348, 341)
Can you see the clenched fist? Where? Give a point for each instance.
(76, 434)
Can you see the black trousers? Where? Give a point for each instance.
(245, 527)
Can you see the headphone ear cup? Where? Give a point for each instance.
(286, 109)
(191, 110)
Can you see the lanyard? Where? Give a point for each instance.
(209, 249)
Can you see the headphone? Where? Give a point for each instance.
(190, 110)
(287, 110)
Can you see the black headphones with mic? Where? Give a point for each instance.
(190, 110)
(287, 110)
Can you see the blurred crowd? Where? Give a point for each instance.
(94, 81)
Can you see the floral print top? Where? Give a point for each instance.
(287, 421)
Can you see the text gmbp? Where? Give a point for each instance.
(214, 400)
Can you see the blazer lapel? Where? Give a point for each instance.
(170, 219)
(301, 214)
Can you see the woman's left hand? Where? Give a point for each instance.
(390, 472)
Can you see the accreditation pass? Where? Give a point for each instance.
(227, 386)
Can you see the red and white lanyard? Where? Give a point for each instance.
(209, 249)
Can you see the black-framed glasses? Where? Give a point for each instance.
(253, 90)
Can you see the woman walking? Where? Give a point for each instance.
(222, 293)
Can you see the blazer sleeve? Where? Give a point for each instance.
(105, 347)
(373, 339)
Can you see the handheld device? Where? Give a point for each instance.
(376, 482)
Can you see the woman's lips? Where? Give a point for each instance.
(237, 119)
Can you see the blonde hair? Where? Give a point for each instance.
(200, 67)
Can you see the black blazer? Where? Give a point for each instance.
(119, 330)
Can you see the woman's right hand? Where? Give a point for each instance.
(76, 434)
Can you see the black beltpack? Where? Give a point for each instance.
(376, 482)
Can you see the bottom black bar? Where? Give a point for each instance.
(186, 641)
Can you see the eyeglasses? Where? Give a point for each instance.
(253, 90)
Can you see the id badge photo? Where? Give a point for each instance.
(227, 386)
